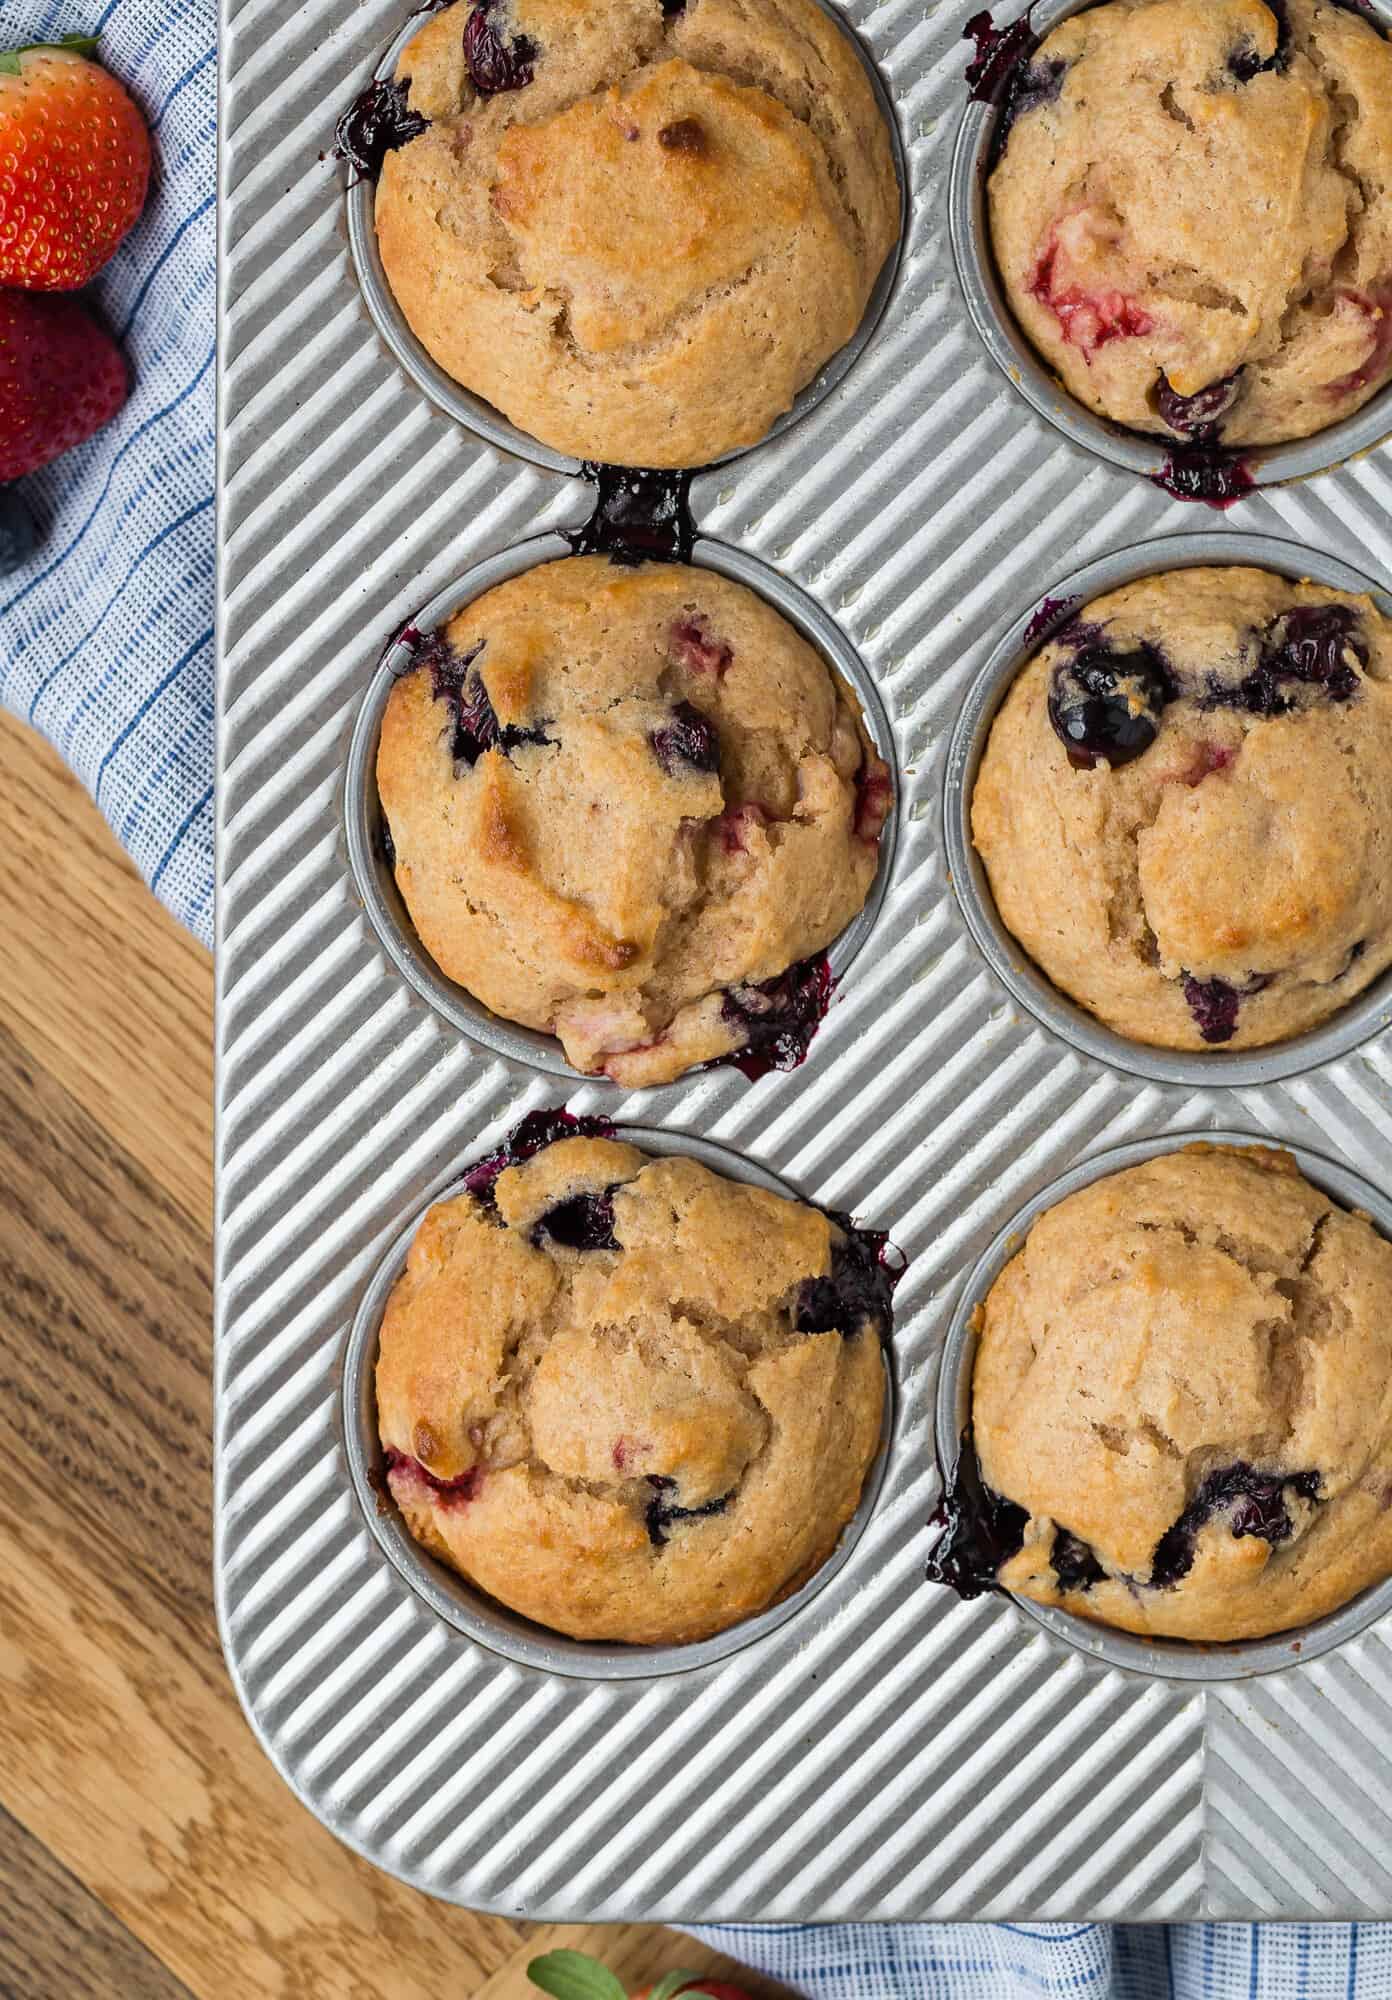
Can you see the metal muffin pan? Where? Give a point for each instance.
(1174, 1659)
(1366, 1015)
(472, 1611)
(1024, 366)
(488, 423)
(886, 1752)
(381, 898)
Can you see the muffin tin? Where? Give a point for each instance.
(877, 1749)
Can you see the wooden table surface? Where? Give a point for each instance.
(147, 1848)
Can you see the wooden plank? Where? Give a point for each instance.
(59, 1943)
(121, 1744)
(638, 1953)
(97, 983)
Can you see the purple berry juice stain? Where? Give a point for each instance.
(376, 123)
(639, 516)
(779, 1017)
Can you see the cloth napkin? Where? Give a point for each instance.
(108, 632)
(108, 649)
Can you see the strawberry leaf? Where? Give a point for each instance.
(78, 45)
(574, 1975)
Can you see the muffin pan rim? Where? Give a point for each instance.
(488, 424)
(491, 1624)
(361, 812)
(1028, 372)
(1165, 1659)
(1365, 1016)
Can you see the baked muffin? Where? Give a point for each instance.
(640, 228)
(1182, 1402)
(1192, 214)
(624, 1396)
(624, 802)
(1185, 806)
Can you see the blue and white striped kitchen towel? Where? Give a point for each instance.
(108, 649)
(106, 636)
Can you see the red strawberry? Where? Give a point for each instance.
(74, 166)
(61, 378)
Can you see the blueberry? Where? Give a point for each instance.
(1311, 644)
(385, 844)
(688, 741)
(1214, 1003)
(1306, 647)
(1031, 86)
(1107, 704)
(858, 1289)
(375, 124)
(981, 1529)
(1247, 61)
(1201, 415)
(1074, 1562)
(779, 1017)
(537, 1131)
(456, 682)
(672, 8)
(660, 1514)
(1256, 1505)
(18, 536)
(585, 1222)
(494, 64)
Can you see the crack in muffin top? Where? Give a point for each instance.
(1185, 807)
(621, 802)
(621, 1425)
(650, 227)
(1194, 222)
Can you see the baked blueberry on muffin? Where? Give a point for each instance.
(627, 1397)
(1192, 214)
(1185, 807)
(638, 229)
(1182, 1404)
(628, 806)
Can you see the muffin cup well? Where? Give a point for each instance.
(1363, 1017)
(1027, 370)
(487, 422)
(481, 1617)
(382, 900)
(1172, 1659)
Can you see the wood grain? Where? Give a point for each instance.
(148, 1850)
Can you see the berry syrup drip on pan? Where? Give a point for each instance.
(375, 124)
(639, 516)
(779, 1017)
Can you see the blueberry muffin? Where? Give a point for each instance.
(627, 1397)
(1185, 807)
(630, 807)
(638, 229)
(1192, 214)
(1182, 1404)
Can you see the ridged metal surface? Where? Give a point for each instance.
(891, 1752)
